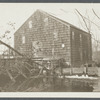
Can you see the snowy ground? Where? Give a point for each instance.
(79, 77)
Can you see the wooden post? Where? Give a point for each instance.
(71, 69)
(86, 68)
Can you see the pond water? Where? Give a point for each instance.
(75, 85)
(44, 84)
(96, 86)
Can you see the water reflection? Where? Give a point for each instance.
(72, 85)
(96, 86)
(52, 84)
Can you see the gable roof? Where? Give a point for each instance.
(54, 17)
(64, 22)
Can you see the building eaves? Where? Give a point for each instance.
(64, 22)
(54, 17)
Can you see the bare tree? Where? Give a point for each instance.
(88, 23)
(6, 37)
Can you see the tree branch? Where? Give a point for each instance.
(95, 13)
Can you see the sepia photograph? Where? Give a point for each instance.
(50, 47)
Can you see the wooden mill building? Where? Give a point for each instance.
(44, 35)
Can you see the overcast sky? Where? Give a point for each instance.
(18, 13)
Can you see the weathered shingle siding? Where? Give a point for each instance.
(23, 31)
(43, 28)
(44, 33)
(80, 47)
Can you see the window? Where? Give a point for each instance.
(81, 54)
(37, 45)
(23, 39)
(63, 45)
(73, 35)
(46, 21)
(30, 24)
(80, 37)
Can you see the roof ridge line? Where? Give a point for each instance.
(61, 20)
